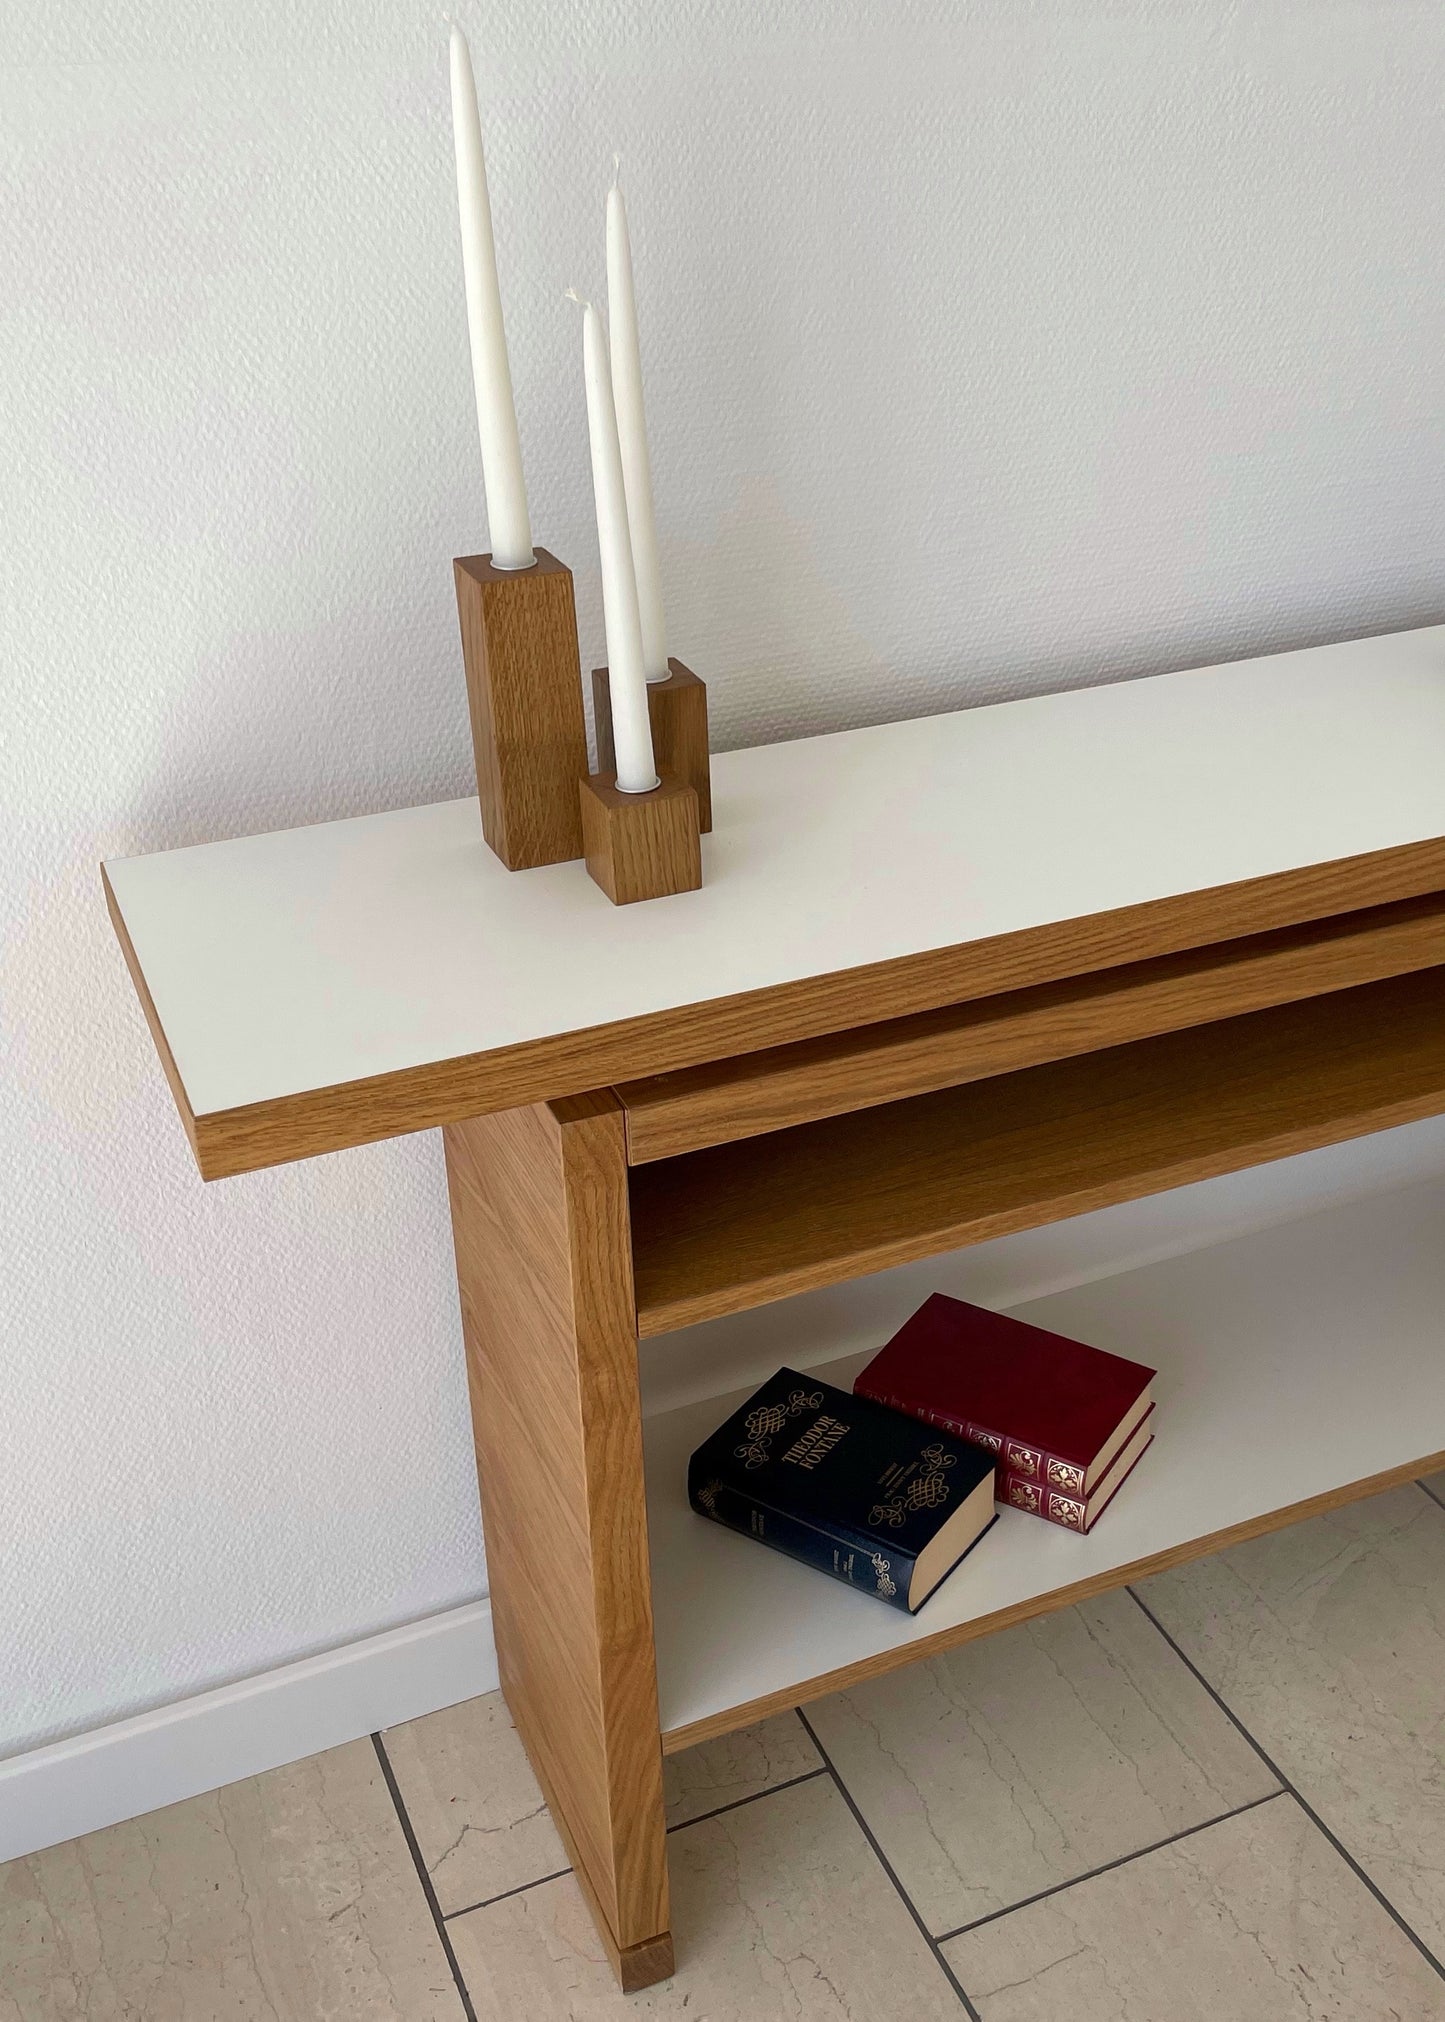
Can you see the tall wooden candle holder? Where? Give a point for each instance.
(677, 708)
(524, 686)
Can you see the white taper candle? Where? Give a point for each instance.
(511, 528)
(632, 432)
(631, 724)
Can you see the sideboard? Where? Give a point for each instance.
(946, 979)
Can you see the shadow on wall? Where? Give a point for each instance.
(777, 642)
(780, 644)
(286, 723)
(363, 707)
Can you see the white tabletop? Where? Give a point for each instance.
(298, 961)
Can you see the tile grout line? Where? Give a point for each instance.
(887, 1866)
(828, 1768)
(1303, 1802)
(1077, 1881)
(424, 1878)
(504, 1895)
(1431, 1493)
(734, 1804)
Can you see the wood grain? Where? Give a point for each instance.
(848, 1675)
(524, 690)
(640, 845)
(539, 1218)
(636, 1966)
(677, 711)
(312, 1121)
(741, 1224)
(670, 1114)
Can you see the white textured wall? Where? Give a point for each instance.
(988, 350)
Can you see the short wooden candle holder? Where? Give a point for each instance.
(524, 687)
(640, 845)
(677, 708)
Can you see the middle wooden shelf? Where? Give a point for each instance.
(736, 1225)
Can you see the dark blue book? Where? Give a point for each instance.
(860, 1491)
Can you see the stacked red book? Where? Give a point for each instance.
(1069, 1423)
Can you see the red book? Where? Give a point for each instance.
(1058, 1413)
(1077, 1512)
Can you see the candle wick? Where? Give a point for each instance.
(616, 170)
(571, 295)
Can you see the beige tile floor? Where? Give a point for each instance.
(1221, 1796)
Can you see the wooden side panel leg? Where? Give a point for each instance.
(544, 1262)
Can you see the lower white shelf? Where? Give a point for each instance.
(1293, 1363)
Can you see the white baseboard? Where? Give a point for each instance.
(132, 1766)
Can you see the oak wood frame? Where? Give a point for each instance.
(545, 1217)
(548, 1240)
(544, 1266)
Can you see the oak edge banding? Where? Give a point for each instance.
(675, 1739)
(315, 1121)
